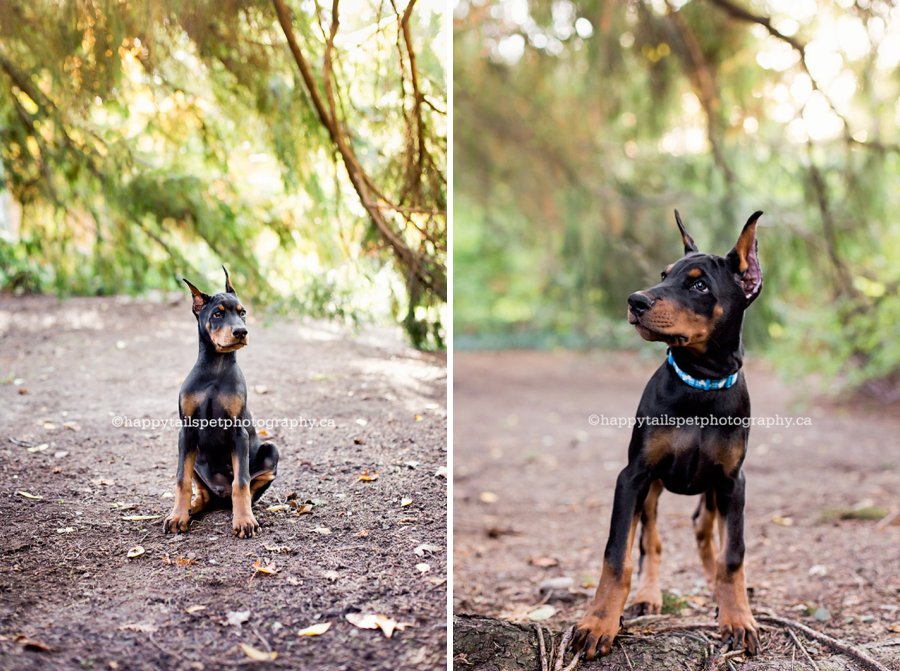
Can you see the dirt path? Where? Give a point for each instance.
(65, 580)
(534, 482)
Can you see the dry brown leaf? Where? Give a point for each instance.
(304, 509)
(277, 507)
(136, 551)
(367, 477)
(362, 533)
(426, 547)
(387, 625)
(266, 569)
(315, 630)
(190, 610)
(280, 549)
(32, 644)
(39, 448)
(783, 521)
(258, 655)
(29, 495)
(544, 562)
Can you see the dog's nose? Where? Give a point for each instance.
(640, 302)
(240, 332)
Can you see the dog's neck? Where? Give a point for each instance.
(722, 355)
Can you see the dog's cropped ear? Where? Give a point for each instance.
(228, 288)
(689, 244)
(200, 298)
(744, 260)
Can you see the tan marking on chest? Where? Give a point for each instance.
(190, 403)
(667, 441)
(232, 404)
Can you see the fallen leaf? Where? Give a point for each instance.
(262, 433)
(257, 655)
(65, 530)
(39, 448)
(267, 569)
(190, 610)
(362, 533)
(426, 547)
(783, 521)
(322, 530)
(72, 426)
(315, 630)
(49, 426)
(136, 551)
(140, 627)
(32, 644)
(895, 628)
(280, 549)
(280, 506)
(544, 562)
(29, 495)
(304, 509)
(423, 567)
(387, 624)
(367, 477)
(237, 617)
(418, 418)
(488, 497)
(140, 518)
(405, 501)
(541, 613)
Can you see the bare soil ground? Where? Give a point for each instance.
(533, 494)
(70, 598)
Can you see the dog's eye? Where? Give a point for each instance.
(700, 286)
(243, 313)
(663, 274)
(217, 314)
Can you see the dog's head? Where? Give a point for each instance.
(222, 318)
(699, 292)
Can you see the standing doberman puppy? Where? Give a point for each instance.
(217, 446)
(697, 310)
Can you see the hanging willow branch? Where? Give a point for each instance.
(427, 273)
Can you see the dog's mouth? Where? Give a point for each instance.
(230, 347)
(654, 335)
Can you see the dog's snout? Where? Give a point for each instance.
(239, 332)
(640, 302)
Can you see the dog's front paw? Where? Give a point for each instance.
(595, 634)
(645, 607)
(244, 525)
(739, 630)
(177, 521)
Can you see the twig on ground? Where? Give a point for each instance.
(800, 645)
(888, 519)
(545, 664)
(563, 646)
(627, 658)
(843, 647)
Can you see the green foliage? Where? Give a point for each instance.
(148, 141)
(605, 116)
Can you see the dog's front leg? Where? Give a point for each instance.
(243, 523)
(736, 623)
(180, 516)
(597, 630)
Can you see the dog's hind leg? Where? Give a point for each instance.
(704, 524)
(648, 600)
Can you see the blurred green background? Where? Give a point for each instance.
(147, 140)
(579, 126)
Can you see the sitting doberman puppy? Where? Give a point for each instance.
(697, 310)
(217, 446)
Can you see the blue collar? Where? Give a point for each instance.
(706, 385)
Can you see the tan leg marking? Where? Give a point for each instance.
(736, 622)
(648, 600)
(243, 523)
(605, 612)
(260, 480)
(178, 519)
(704, 529)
